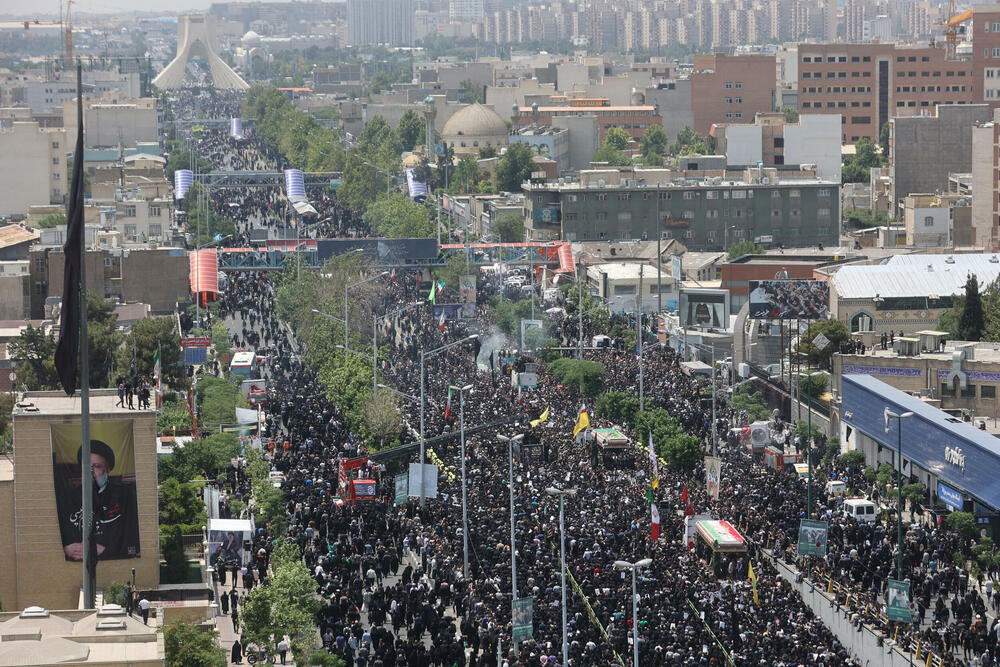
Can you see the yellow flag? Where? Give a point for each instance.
(541, 418)
(753, 582)
(656, 483)
(582, 421)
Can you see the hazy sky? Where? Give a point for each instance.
(31, 8)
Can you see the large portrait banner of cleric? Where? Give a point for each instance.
(116, 516)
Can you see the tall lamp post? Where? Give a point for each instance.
(347, 311)
(635, 567)
(465, 510)
(513, 544)
(715, 434)
(423, 373)
(889, 414)
(562, 493)
(809, 446)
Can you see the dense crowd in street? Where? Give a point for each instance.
(391, 577)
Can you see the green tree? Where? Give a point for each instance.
(411, 130)
(971, 322)
(814, 386)
(400, 217)
(689, 142)
(34, 352)
(617, 138)
(187, 645)
(472, 91)
(146, 336)
(834, 330)
(362, 185)
(883, 138)
(745, 248)
(218, 399)
(286, 607)
(855, 457)
(857, 167)
(654, 145)
(579, 374)
(751, 402)
(514, 167)
(612, 156)
(172, 548)
(200, 459)
(379, 143)
(466, 176)
(51, 220)
(180, 503)
(486, 152)
(103, 339)
(680, 450)
(510, 227)
(915, 493)
(791, 114)
(963, 523)
(620, 407)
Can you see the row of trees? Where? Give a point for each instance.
(109, 351)
(346, 378)
(680, 450)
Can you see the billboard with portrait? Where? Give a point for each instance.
(707, 308)
(225, 541)
(789, 299)
(116, 517)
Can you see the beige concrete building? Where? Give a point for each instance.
(15, 290)
(37, 637)
(36, 570)
(114, 119)
(927, 218)
(955, 375)
(32, 167)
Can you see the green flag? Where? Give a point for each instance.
(649, 496)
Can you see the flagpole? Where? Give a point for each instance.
(86, 471)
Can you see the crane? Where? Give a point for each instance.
(950, 28)
(68, 34)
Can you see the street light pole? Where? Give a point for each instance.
(513, 542)
(579, 291)
(465, 509)
(635, 567)
(562, 493)
(347, 311)
(899, 484)
(809, 446)
(423, 374)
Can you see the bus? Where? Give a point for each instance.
(243, 364)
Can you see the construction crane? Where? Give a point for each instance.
(68, 34)
(950, 29)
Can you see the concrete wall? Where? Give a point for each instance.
(815, 139)
(13, 290)
(583, 139)
(925, 150)
(673, 105)
(862, 644)
(743, 144)
(984, 142)
(32, 167)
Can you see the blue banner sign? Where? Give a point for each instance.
(949, 496)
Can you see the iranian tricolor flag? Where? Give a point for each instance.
(655, 534)
(441, 320)
(447, 408)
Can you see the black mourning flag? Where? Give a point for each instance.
(68, 350)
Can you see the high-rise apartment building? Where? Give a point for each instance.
(466, 10)
(985, 28)
(870, 83)
(380, 22)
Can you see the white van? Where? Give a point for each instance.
(861, 510)
(836, 488)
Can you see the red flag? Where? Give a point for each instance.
(441, 322)
(656, 522)
(684, 494)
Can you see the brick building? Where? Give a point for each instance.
(728, 89)
(870, 83)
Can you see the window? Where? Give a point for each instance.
(625, 196)
(688, 214)
(738, 115)
(775, 213)
(664, 195)
(987, 391)
(996, 26)
(602, 197)
(570, 217)
(55, 144)
(775, 194)
(129, 230)
(55, 161)
(794, 193)
(737, 100)
(129, 211)
(39, 265)
(624, 216)
(729, 116)
(739, 84)
(947, 390)
(729, 100)
(154, 210)
(969, 391)
(689, 194)
(929, 221)
(602, 216)
(822, 213)
(712, 194)
(729, 85)
(823, 192)
(689, 234)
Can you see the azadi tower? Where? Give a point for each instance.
(194, 39)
